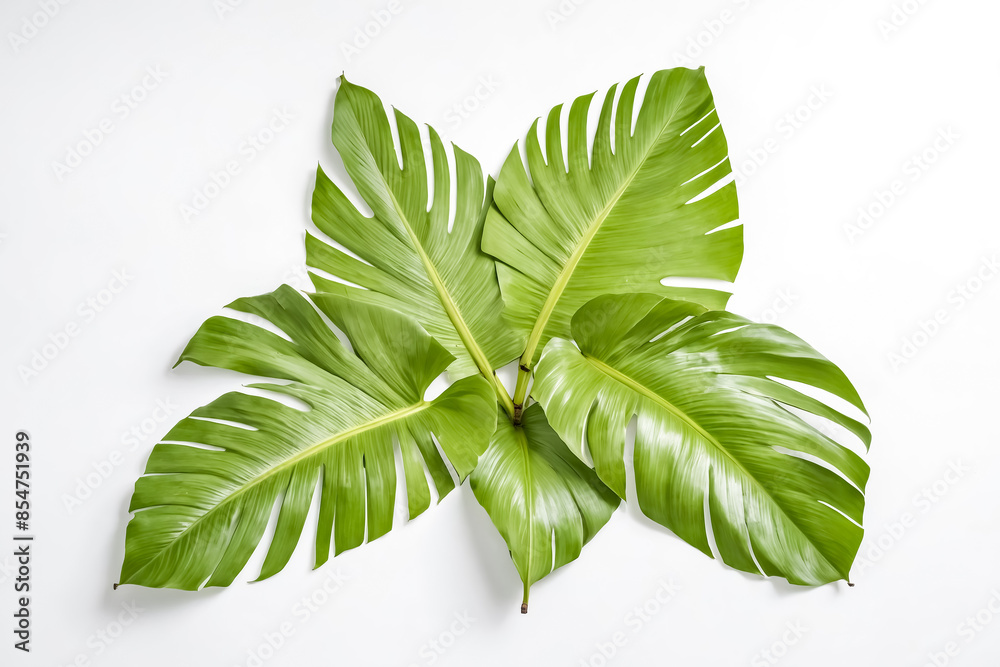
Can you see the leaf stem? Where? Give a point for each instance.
(521, 389)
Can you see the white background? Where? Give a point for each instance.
(888, 95)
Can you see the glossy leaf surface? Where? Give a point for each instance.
(720, 454)
(329, 428)
(619, 217)
(404, 256)
(544, 501)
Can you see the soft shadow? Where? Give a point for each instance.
(780, 585)
(492, 554)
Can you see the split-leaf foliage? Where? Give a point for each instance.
(568, 263)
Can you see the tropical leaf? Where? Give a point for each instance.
(210, 487)
(619, 218)
(405, 256)
(543, 500)
(719, 451)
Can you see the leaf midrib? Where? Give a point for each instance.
(562, 280)
(641, 389)
(288, 463)
(529, 504)
(450, 307)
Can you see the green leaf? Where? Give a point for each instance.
(409, 261)
(718, 452)
(210, 487)
(619, 218)
(543, 500)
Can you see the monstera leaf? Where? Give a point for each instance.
(210, 487)
(406, 257)
(594, 265)
(718, 451)
(619, 218)
(543, 500)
